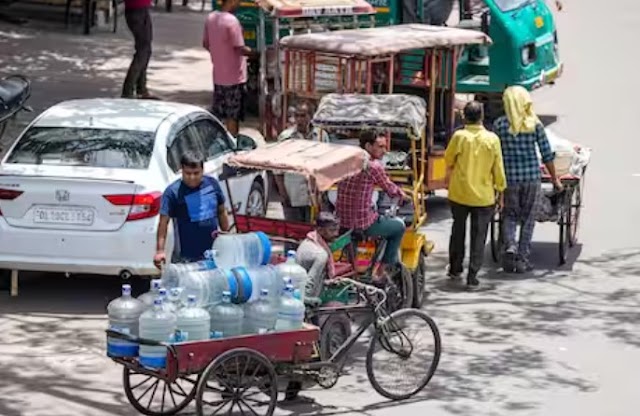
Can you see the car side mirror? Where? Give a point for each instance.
(245, 143)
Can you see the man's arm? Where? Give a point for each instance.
(205, 35)
(499, 176)
(380, 178)
(451, 153)
(223, 218)
(547, 155)
(237, 39)
(167, 205)
(316, 273)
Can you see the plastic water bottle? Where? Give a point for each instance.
(172, 273)
(159, 325)
(175, 300)
(246, 250)
(290, 311)
(194, 323)
(164, 296)
(287, 281)
(294, 271)
(258, 278)
(227, 317)
(207, 286)
(148, 297)
(260, 316)
(209, 262)
(216, 335)
(124, 313)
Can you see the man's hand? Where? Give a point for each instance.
(500, 201)
(557, 184)
(159, 259)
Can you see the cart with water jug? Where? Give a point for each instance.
(243, 375)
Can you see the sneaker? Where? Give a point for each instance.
(509, 262)
(473, 283)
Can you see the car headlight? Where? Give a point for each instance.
(528, 54)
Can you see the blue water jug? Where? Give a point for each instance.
(156, 324)
(124, 313)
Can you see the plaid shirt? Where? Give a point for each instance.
(521, 163)
(353, 206)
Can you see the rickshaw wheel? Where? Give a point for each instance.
(497, 238)
(334, 332)
(419, 281)
(565, 226)
(399, 364)
(171, 397)
(576, 207)
(400, 289)
(244, 382)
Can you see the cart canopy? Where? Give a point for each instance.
(325, 163)
(394, 112)
(385, 40)
(315, 8)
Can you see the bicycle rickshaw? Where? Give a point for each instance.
(243, 375)
(563, 207)
(415, 59)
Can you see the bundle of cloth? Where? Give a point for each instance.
(571, 158)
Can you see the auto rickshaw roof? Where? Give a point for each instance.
(326, 163)
(385, 40)
(393, 112)
(315, 8)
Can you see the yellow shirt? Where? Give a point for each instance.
(475, 157)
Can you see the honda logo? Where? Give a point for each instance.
(62, 195)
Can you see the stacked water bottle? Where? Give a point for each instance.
(233, 292)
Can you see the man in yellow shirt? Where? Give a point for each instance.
(474, 158)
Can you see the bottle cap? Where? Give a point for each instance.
(191, 298)
(264, 292)
(157, 301)
(162, 291)
(156, 283)
(291, 253)
(126, 289)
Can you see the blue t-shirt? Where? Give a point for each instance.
(195, 215)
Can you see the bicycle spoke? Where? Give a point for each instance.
(219, 408)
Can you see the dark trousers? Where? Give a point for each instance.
(139, 23)
(480, 219)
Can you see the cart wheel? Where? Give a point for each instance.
(564, 223)
(497, 238)
(240, 381)
(400, 289)
(419, 281)
(335, 331)
(404, 354)
(576, 207)
(156, 397)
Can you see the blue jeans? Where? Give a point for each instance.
(392, 230)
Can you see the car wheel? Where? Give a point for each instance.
(5, 279)
(256, 206)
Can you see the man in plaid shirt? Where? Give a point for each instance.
(521, 132)
(354, 205)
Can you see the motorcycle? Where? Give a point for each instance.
(15, 90)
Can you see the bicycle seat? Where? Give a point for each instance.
(14, 91)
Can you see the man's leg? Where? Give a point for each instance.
(235, 111)
(392, 230)
(480, 219)
(510, 220)
(528, 203)
(141, 87)
(137, 23)
(457, 239)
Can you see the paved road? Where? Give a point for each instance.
(559, 341)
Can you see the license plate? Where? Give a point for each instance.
(66, 215)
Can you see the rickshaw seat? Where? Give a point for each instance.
(273, 227)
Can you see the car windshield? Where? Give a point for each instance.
(508, 5)
(69, 146)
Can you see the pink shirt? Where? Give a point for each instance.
(223, 39)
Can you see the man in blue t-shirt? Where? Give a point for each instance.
(196, 205)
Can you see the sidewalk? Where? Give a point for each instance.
(65, 65)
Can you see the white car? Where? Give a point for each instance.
(80, 189)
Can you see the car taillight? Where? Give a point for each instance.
(9, 195)
(142, 205)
